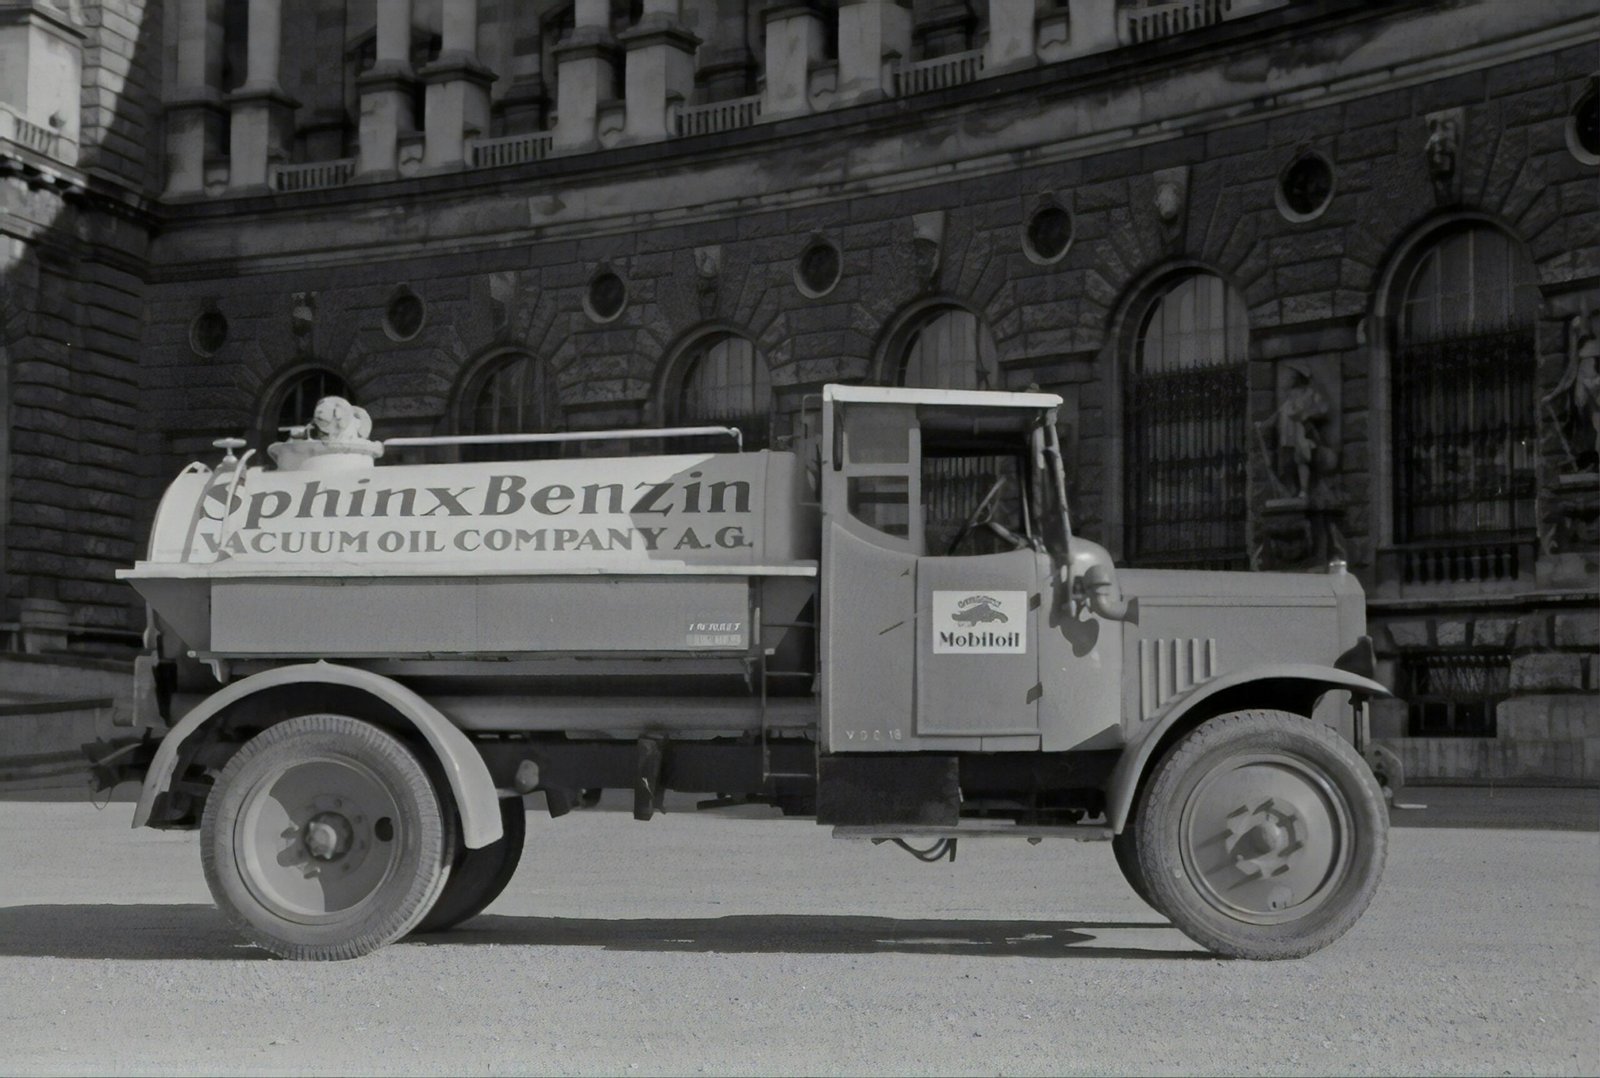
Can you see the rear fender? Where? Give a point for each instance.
(1305, 681)
(470, 783)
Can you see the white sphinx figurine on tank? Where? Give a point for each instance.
(336, 440)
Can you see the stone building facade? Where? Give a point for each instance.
(1317, 280)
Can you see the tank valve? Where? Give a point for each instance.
(228, 445)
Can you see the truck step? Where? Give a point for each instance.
(977, 829)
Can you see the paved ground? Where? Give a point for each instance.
(726, 946)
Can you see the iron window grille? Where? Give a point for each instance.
(1454, 694)
(1187, 443)
(725, 382)
(1464, 442)
(517, 396)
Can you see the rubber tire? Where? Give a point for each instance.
(1124, 846)
(1322, 754)
(411, 883)
(479, 876)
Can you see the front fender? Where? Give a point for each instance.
(1136, 758)
(470, 783)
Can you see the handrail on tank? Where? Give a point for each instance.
(569, 436)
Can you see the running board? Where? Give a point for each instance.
(977, 829)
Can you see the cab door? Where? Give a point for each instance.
(931, 636)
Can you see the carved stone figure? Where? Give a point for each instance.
(927, 244)
(303, 319)
(1578, 393)
(1441, 152)
(1297, 422)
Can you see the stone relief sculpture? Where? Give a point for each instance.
(1442, 151)
(708, 277)
(303, 320)
(927, 245)
(1299, 526)
(1303, 457)
(1574, 405)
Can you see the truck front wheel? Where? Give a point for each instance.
(1262, 835)
(324, 838)
(1127, 855)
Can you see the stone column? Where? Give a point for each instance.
(726, 68)
(585, 72)
(872, 33)
(458, 88)
(386, 90)
(262, 121)
(659, 68)
(945, 29)
(1011, 42)
(522, 106)
(794, 43)
(1093, 26)
(193, 106)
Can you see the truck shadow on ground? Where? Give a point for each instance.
(198, 932)
(136, 931)
(815, 934)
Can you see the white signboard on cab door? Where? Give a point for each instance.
(980, 622)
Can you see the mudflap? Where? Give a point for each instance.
(901, 789)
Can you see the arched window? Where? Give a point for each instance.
(297, 398)
(514, 395)
(1186, 442)
(951, 350)
(725, 381)
(1463, 412)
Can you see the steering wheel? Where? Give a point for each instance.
(983, 514)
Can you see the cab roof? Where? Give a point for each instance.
(959, 398)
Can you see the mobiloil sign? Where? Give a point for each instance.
(980, 622)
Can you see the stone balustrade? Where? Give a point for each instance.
(509, 150)
(940, 73)
(1164, 20)
(41, 140)
(716, 117)
(311, 176)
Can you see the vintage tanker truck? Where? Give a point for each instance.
(360, 670)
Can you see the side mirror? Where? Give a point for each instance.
(1093, 578)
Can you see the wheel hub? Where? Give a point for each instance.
(311, 853)
(327, 836)
(1263, 840)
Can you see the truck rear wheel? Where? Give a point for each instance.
(1262, 835)
(324, 838)
(478, 876)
